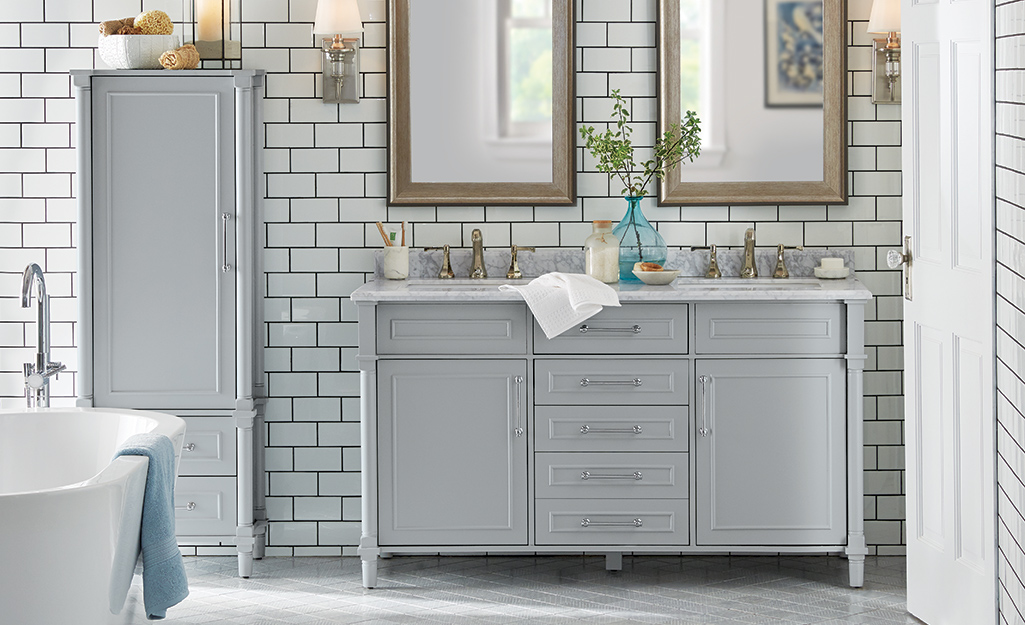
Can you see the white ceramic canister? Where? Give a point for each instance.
(601, 253)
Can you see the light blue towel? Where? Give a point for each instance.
(164, 583)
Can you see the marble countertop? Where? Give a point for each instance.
(683, 289)
(690, 286)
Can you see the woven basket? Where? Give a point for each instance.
(135, 51)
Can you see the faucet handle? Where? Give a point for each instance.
(514, 272)
(446, 263)
(713, 260)
(713, 264)
(781, 266)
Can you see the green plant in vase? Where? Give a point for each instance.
(614, 152)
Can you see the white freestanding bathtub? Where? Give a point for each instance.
(70, 515)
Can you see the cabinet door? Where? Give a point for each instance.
(164, 304)
(453, 467)
(770, 452)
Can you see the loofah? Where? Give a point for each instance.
(185, 57)
(129, 30)
(113, 27)
(154, 23)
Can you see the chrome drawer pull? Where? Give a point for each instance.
(519, 429)
(586, 429)
(587, 475)
(584, 329)
(189, 447)
(703, 430)
(225, 267)
(633, 382)
(189, 507)
(589, 523)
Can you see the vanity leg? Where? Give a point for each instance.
(260, 548)
(613, 561)
(369, 571)
(856, 565)
(245, 563)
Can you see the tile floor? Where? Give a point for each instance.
(549, 590)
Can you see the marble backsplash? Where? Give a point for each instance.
(800, 263)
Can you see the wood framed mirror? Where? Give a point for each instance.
(481, 102)
(768, 80)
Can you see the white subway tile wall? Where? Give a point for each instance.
(1010, 304)
(326, 177)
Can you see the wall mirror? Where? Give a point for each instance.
(480, 102)
(768, 80)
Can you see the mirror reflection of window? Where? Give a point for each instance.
(693, 36)
(702, 84)
(525, 68)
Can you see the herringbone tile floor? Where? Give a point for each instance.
(544, 590)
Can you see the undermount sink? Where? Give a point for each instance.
(462, 284)
(748, 284)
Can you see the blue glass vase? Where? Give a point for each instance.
(638, 241)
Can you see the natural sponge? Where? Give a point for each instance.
(185, 57)
(154, 23)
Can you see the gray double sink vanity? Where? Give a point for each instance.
(707, 416)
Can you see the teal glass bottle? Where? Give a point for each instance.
(638, 241)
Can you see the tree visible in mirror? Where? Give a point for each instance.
(614, 150)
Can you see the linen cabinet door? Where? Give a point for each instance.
(164, 270)
(771, 452)
(452, 447)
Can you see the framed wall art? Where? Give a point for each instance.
(793, 52)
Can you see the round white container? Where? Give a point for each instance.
(135, 51)
(396, 262)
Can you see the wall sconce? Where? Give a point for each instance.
(885, 20)
(340, 55)
(216, 28)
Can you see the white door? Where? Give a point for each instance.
(948, 215)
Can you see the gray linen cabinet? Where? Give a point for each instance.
(169, 189)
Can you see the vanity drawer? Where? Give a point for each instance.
(212, 502)
(604, 382)
(452, 329)
(610, 428)
(612, 522)
(613, 476)
(209, 446)
(629, 329)
(769, 328)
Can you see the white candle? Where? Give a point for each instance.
(832, 263)
(211, 25)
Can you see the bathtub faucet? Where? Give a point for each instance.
(38, 374)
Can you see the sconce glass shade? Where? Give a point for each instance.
(340, 78)
(337, 16)
(885, 20)
(885, 17)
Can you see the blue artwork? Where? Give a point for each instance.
(793, 41)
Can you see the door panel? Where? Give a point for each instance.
(926, 153)
(971, 522)
(163, 170)
(771, 469)
(929, 433)
(453, 470)
(948, 210)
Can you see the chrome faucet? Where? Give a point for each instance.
(38, 374)
(477, 269)
(750, 269)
